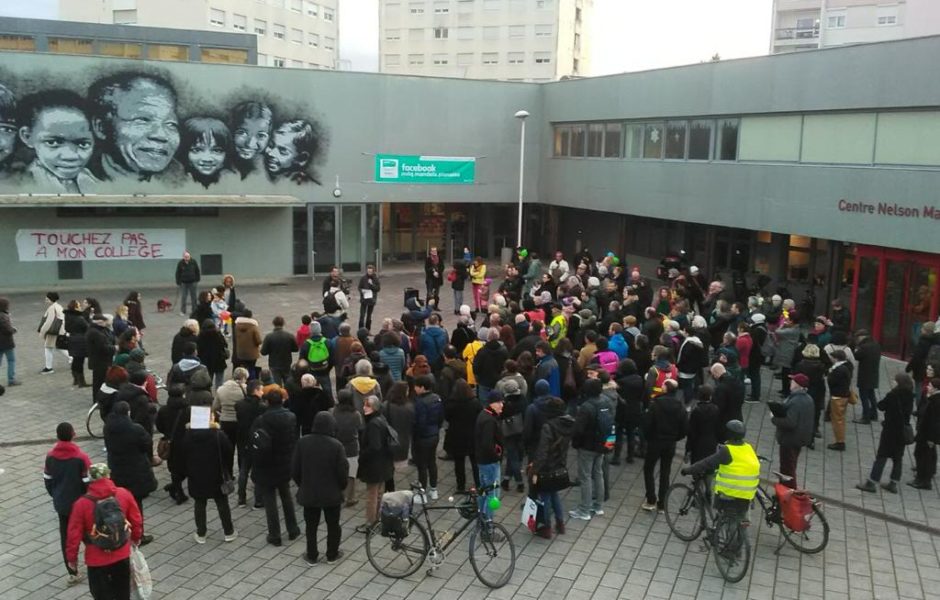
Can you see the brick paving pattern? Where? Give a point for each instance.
(627, 553)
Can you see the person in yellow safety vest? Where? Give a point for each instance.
(738, 471)
(557, 327)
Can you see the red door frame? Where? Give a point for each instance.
(890, 254)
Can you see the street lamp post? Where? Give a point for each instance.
(521, 115)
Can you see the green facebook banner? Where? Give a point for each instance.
(400, 168)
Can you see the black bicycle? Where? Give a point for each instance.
(401, 553)
(94, 423)
(811, 536)
(689, 512)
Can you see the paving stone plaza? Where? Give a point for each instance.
(881, 546)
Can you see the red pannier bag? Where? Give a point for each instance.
(796, 507)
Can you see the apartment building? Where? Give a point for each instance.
(514, 40)
(810, 24)
(296, 34)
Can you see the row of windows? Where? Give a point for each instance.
(442, 7)
(279, 61)
(515, 32)
(124, 49)
(218, 18)
(467, 58)
(696, 139)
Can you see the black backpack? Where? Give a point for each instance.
(260, 442)
(330, 305)
(605, 427)
(110, 528)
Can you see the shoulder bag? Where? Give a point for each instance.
(228, 483)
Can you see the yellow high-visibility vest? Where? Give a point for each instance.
(740, 478)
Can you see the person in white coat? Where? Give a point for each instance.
(558, 268)
(51, 326)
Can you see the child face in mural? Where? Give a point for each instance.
(7, 139)
(283, 156)
(206, 156)
(145, 127)
(252, 137)
(62, 139)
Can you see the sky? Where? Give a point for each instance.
(628, 35)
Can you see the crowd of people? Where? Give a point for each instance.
(588, 355)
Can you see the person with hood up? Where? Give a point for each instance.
(129, 456)
(66, 478)
(99, 341)
(208, 458)
(320, 469)
(794, 426)
(247, 343)
(171, 423)
(488, 363)
(432, 342)
(461, 410)
(839, 379)
(549, 464)
(349, 425)
(632, 391)
(200, 389)
(109, 570)
(182, 371)
(547, 368)
(705, 424)
(898, 404)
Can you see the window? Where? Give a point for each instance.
(224, 55)
(71, 269)
(71, 46)
(595, 140)
(542, 58)
(675, 139)
(516, 32)
(296, 64)
(465, 33)
(491, 58)
(329, 43)
(440, 59)
(465, 7)
(464, 59)
(441, 8)
(575, 66)
(492, 4)
(515, 58)
(653, 141)
(211, 264)
(727, 148)
(239, 22)
(543, 31)
(280, 32)
(297, 6)
(807, 27)
(392, 35)
(888, 20)
(416, 8)
(124, 17)
(542, 4)
(613, 134)
(416, 33)
(313, 40)
(297, 36)
(887, 15)
(835, 21)
(313, 9)
(120, 49)
(700, 140)
(440, 33)
(216, 17)
(392, 60)
(167, 52)
(416, 60)
(280, 62)
(17, 42)
(328, 15)
(261, 27)
(491, 33)
(634, 141)
(576, 148)
(392, 8)
(562, 138)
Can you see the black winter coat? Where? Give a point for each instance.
(816, 371)
(705, 426)
(928, 423)
(840, 380)
(99, 343)
(375, 455)
(205, 451)
(247, 411)
(868, 358)
(488, 363)
(460, 269)
(917, 366)
(143, 411)
(666, 421)
(129, 453)
(632, 390)
(729, 398)
(76, 325)
(176, 347)
(273, 467)
(279, 346)
(487, 439)
(461, 415)
(554, 441)
(172, 419)
(212, 348)
(319, 466)
(897, 406)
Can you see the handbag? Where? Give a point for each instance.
(452, 276)
(908, 434)
(228, 483)
(853, 397)
(554, 480)
(511, 426)
(62, 342)
(165, 444)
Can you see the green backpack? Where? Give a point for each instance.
(318, 354)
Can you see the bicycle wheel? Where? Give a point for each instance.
(492, 554)
(683, 512)
(814, 538)
(93, 422)
(731, 548)
(398, 557)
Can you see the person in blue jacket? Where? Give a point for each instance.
(432, 342)
(616, 342)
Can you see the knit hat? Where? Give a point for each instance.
(544, 298)
(99, 471)
(494, 396)
(801, 380)
(122, 359)
(757, 318)
(542, 388)
(138, 354)
(315, 329)
(483, 334)
(511, 388)
(594, 282)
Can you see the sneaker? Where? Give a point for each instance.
(45, 371)
(200, 539)
(242, 502)
(418, 498)
(310, 561)
(432, 494)
(581, 516)
(648, 506)
(598, 512)
(230, 537)
(661, 509)
(335, 559)
(840, 446)
(75, 579)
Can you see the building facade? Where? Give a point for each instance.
(291, 33)
(811, 24)
(826, 191)
(515, 40)
(126, 41)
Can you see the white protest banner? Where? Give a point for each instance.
(36, 245)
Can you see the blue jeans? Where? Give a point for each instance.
(551, 502)
(513, 452)
(489, 476)
(591, 476)
(11, 363)
(188, 291)
(869, 403)
(458, 299)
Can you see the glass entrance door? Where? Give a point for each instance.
(324, 238)
(351, 238)
(344, 235)
(892, 327)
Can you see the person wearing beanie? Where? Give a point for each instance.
(794, 421)
(109, 571)
(488, 446)
(897, 406)
(66, 478)
(318, 353)
(812, 366)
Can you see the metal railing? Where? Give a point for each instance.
(796, 33)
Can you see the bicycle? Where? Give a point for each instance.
(95, 427)
(725, 533)
(804, 541)
(399, 555)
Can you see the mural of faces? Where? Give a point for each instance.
(130, 127)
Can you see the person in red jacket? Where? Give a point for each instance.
(109, 571)
(66, 478)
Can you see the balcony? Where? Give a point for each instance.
(796, 33)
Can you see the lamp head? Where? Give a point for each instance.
(522, 114)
